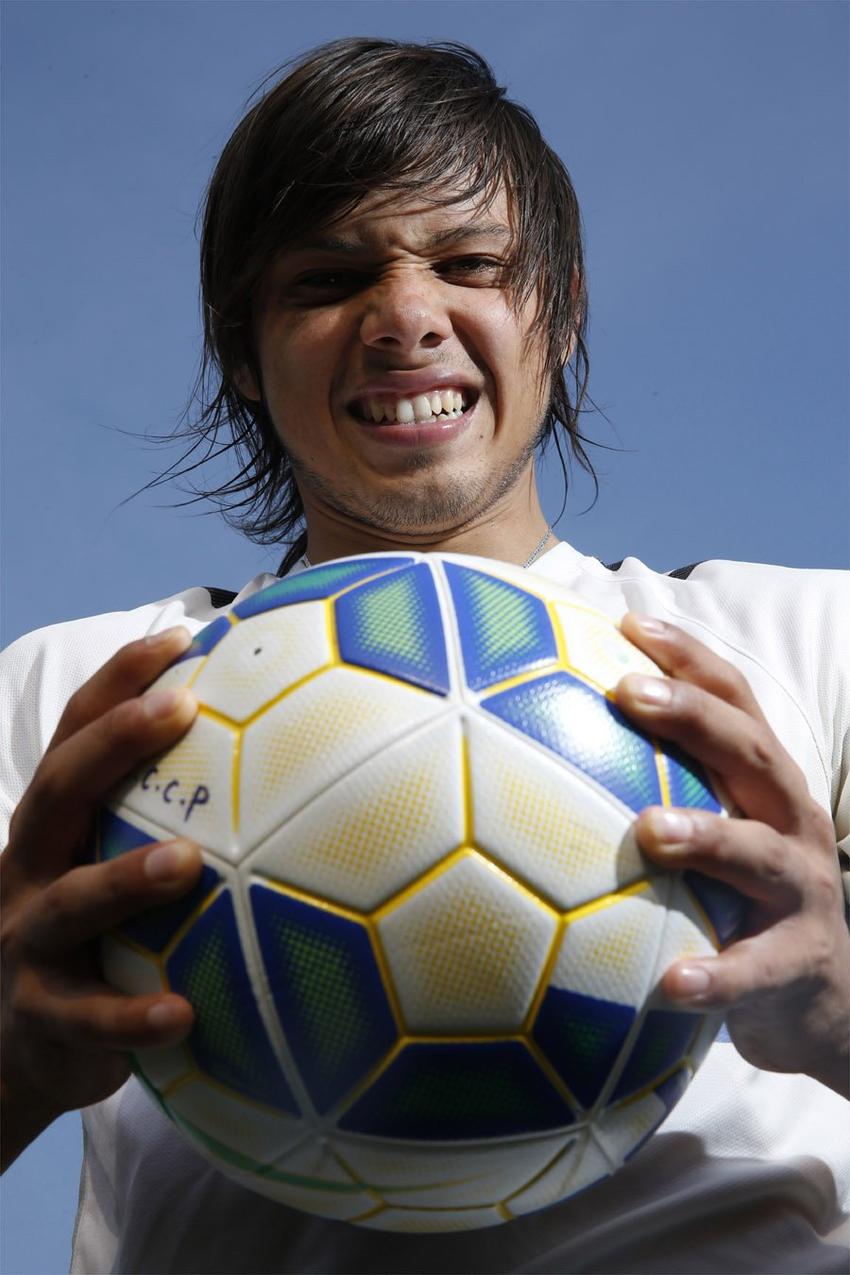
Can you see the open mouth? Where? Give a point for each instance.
(434, 406)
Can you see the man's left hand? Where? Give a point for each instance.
(784, 984)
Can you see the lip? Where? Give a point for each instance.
(393, 434)
(397, 385)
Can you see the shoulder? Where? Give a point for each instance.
(784, 628)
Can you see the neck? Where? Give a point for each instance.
(510, 534)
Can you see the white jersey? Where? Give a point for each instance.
(751, 1170)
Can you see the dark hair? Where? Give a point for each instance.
(351, 117)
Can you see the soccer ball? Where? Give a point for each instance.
(424, 950)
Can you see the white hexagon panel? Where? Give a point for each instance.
(442, 1176)
(212, 1114)
(597, 649)
(466, 949)
(388, 821)
(189, 791)
(597, 988)
(261, 657)
(285, 759)
(579, 1165)
(545, 822)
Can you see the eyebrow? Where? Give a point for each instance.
(453, 234)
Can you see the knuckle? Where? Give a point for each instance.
(761, 750)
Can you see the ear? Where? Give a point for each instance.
(246, 383)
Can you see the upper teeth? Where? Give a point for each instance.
(421, 408)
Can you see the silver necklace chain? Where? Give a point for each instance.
(538, 549)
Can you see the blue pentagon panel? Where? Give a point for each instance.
(316, 582)
(394, 626)
(582, 1037)
(202, 643)
(722, 904)
(503, 630)
(156, 928)
(327, 990)
(581, 726)
(689, 784)
(486, 1089)
(662, 1041)
(668, 1093)
(115, 836)
(228, 1041)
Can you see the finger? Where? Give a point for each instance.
(757, 773)
(750, 856)
(750, 970)
(75, 777)
(690, 660)
(96, 1015)
(86, 902)
(127, 674)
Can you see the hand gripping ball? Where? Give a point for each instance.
(424, 951)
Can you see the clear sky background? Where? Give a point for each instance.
(708, 145)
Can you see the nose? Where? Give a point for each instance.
(405, 313)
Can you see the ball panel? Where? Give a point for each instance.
(622, 1130)
(319, 582)
(582, 727)
(333, 1200)
(609, 949)
(596, 649)
(204, 642)
(449, 1175)
(425, 1221)
(662, 1041)
(466, 948)
(394, 626)
(378, 828)
(545, 822)
(687, 933)
(503, 629)
(723, 907)
(582, 1037)
(327, 990)
(285, 760)
(182, 671)
(228, 1041)
(459, 1090)
(129, 970)
(162, 1067)
(263, 658)
(115, 836)
(189, 790)
(687, 782)
(580, 1165)
(254, 1132)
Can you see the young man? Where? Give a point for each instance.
(394, 299)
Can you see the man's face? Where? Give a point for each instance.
(397, 303)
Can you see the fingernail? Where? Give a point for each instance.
(650, 690)
(162, 703)
(671, 827)
(168, 861)
(648, 624)
(694, 980)
(178, 635)
(163, 1015)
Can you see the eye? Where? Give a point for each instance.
(330, 280)
(472, 266)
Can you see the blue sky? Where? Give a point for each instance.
(708, 145)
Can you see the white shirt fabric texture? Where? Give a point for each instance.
(751, 1170)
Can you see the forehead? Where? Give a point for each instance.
(414, 222)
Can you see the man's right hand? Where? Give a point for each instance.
(65, 1032)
